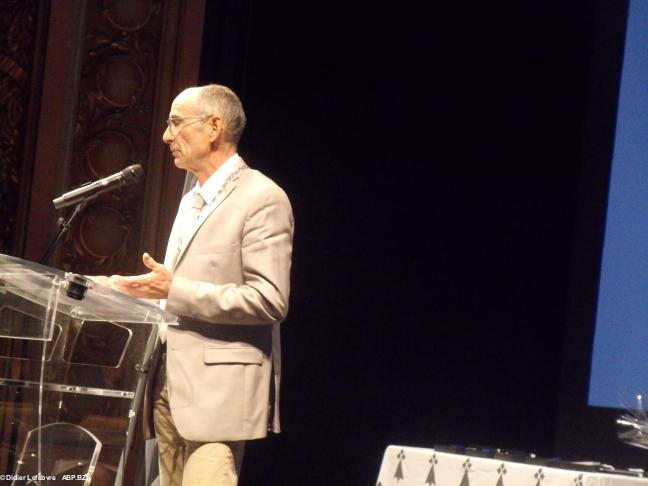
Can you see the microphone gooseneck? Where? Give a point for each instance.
(129, 175)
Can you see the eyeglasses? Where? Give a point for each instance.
(176, 123)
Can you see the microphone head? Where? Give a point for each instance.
(132, 174)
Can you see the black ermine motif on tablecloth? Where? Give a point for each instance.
(431, 480)
(465, 480)
(501, 471)
(539, 477)
(399, 470)
(578, 480)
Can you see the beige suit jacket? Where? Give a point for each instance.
(230, 289)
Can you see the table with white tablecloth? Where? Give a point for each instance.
(410, 466)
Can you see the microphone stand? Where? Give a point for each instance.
(64, 226)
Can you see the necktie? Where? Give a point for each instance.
(197, 203)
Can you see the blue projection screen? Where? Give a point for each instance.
(620, 355)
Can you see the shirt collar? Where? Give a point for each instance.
(209, 190)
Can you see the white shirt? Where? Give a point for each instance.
(185, 221)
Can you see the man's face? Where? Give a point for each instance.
(188, 133)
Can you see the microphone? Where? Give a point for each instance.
(129, 175)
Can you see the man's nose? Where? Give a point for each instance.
(167, 136)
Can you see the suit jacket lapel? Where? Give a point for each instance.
(229, 185)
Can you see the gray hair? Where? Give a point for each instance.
(216, 99)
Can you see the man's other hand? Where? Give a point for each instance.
(152, 285)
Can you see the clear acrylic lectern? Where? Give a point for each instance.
(73, 361)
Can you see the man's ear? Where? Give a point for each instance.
(217, 127)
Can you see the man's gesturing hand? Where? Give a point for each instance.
(152, 285)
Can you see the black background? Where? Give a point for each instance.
(434, 154)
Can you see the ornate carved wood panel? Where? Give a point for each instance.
(21, 34)
(113, 126)
(112, 69)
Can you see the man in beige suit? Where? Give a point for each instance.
(227, 275)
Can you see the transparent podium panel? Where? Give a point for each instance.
(71, 455)
(74, 357)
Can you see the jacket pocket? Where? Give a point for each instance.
(228, 355)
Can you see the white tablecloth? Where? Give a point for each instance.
(410, 466)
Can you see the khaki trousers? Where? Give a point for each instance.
(188, 463)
